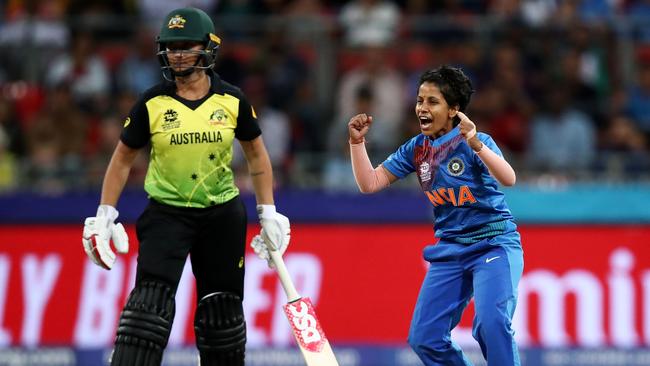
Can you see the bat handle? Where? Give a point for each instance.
(285, 278)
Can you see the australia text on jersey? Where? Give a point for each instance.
(442, 196)
(195, 137)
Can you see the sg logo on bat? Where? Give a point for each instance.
(303, 319)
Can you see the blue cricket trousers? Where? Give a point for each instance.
(490, 271)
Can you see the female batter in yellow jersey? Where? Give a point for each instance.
(190, 122)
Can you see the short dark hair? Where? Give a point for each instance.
(454, 85)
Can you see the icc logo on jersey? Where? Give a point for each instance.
(455, 167)
(170, 120)
(425, 172)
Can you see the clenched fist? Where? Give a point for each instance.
(358, 127)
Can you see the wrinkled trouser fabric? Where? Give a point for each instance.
(488, 270)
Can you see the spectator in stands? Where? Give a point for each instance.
(577, 74)
(107, 19)
(235, 8)
(275, 124)
(598, 11)
(12, 127)
(563, 139)
(309, 120)
(85, 72)
(56, 141)
(306, 21)
(31, 36)
(364, 99)
(8, 164)
(369, 22)
(594, 49)
(337, 173)
(534, 13)
(416, 20)
(503, 116)
(502, 107)
(110, 129)
(151, 11)
(623, 147)
(139, 69)
(123, 102)
(271, 7)
(621, 134)
(543, 12)
(417, 8)
(283, 69)
(388, 87)
(637, 105)
(638, 12)
(507, 68)
(309, 126)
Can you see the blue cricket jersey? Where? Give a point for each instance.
(467, 203)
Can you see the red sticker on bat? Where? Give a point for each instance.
(305, 325)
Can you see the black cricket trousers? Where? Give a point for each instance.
(214, 237)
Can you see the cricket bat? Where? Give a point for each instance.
(315, 347)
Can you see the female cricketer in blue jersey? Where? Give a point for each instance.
(479, 250)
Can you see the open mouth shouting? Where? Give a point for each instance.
(425, 123)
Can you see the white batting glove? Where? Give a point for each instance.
(261, 249)
(275, 233)
(98, 233)
(276, 228)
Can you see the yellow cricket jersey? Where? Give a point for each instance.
(191, 142)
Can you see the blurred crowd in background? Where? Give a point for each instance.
(563, 86)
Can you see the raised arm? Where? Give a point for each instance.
(368, 179)
(498, 166)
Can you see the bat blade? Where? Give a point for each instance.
(309, 334)
(315, 347)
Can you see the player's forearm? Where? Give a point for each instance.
(498, 166)
(262, 178)
(368, 179)
(260, 170)
(117, 174)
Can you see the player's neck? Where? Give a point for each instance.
(194, 86)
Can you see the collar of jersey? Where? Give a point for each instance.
(216, 86)
(444, 138)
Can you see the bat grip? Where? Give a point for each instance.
(285, 278)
